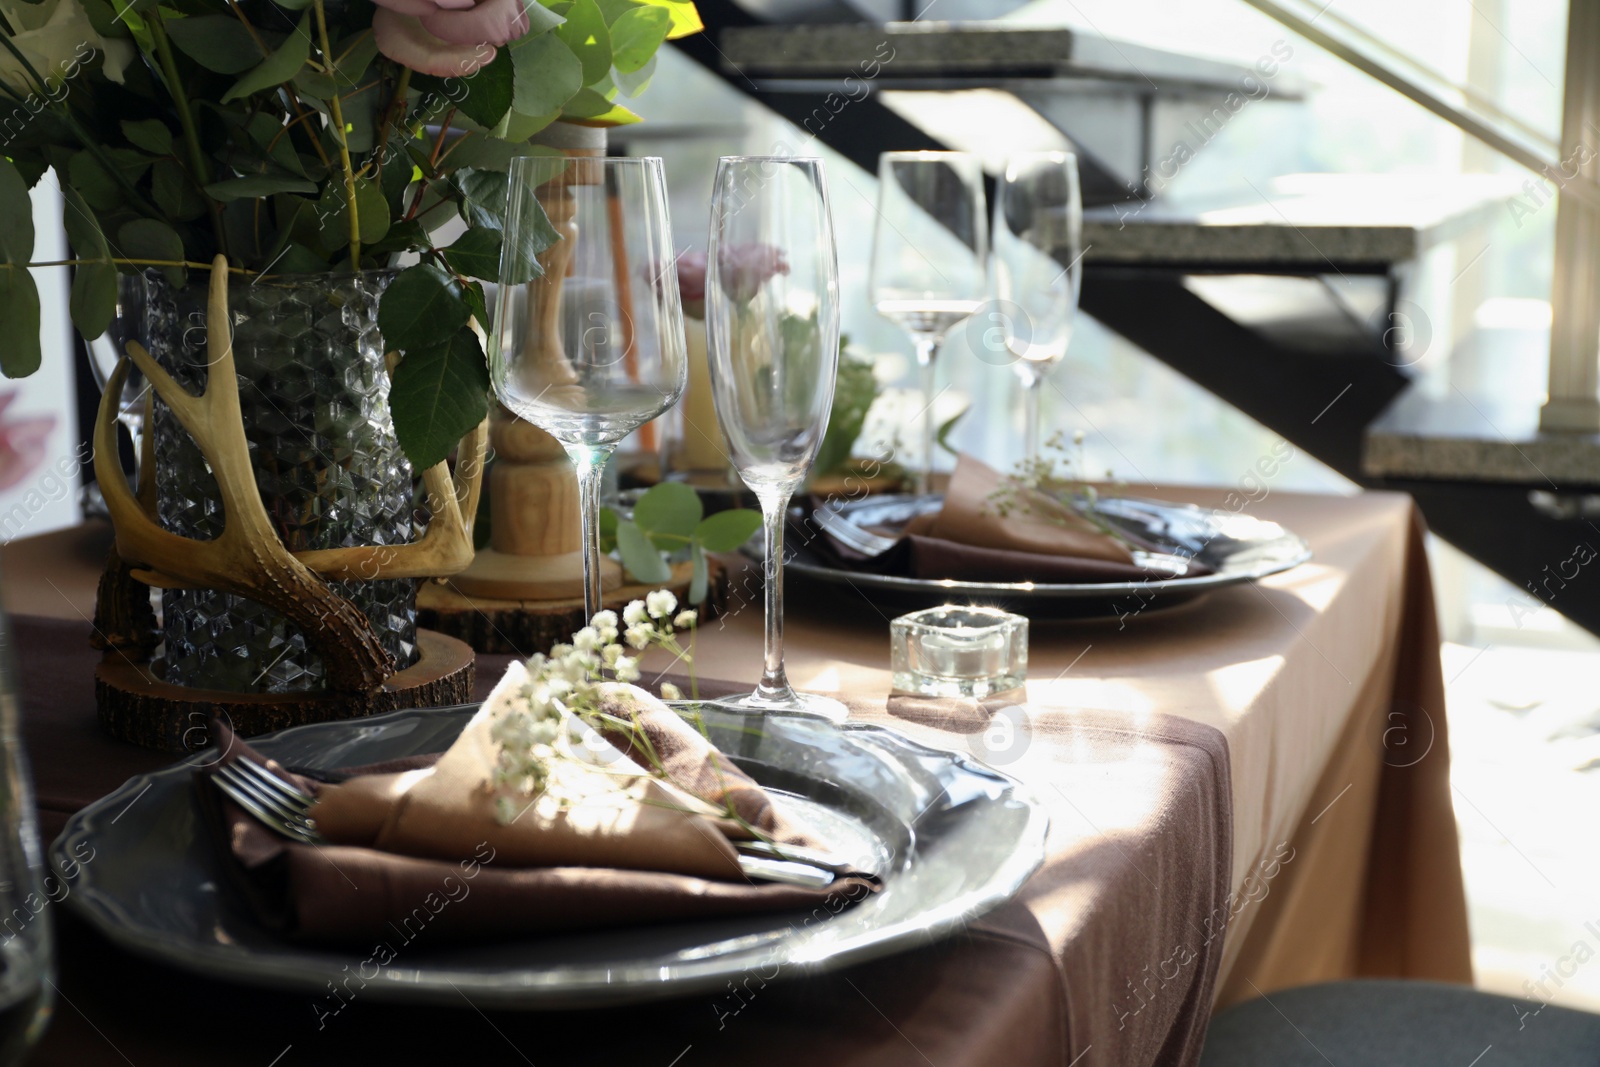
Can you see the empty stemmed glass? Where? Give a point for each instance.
(772, 321)
(1038, 260)
(592, 347)
(929, 258)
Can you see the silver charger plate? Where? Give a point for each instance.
(950, 837)
(1238, 548)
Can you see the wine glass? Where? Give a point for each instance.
(929, 258)
(1038, 260)
(592, 347)
(772, 321)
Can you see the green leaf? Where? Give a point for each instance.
(19, 316)
(634, 84)
(532, 233)
(99, 188)
(254, 186)
(476, 301)
(589, 108)
(298, 259)
(587, 36)
(608, 529)
(640, 556)
(489, 90)
(685, 17)
(16, 216)
(485, 194)
(636, 35)
(174, 193)
(219, 43)
(668, 513)
(546, 74)
(279, 67)
(422, 307)
(439, 393)
(151, 135)
(519, 127)
(150, 239)
(946, 428)
(491, 153)
(93, 300)
(702, 578)
(476, 254)
(727, 530)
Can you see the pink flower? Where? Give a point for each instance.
(743, 269)
(692, 283)
(22, 442)
(446, 38)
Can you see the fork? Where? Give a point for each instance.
(282, 807)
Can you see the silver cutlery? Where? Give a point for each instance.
(284, 808)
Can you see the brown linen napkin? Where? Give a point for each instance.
(468, 878)
(968, 540)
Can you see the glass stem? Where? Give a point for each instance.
(927, 352)
(774, 682)
(590, 461)
(1030, 409)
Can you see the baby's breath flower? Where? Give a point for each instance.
(586, 639)
(661, 603)
(634, 613)
(610, 653)
(639, 636)
(686, 619)
(670, 692)
(604, 620)
(627, 669)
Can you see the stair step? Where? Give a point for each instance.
(1476, 439)
(969, 53)
(1316, 223)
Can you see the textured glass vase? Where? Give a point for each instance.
(315, 397)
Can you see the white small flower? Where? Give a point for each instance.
(639, 636)
(686, 619)
(610, 653)
(587, 639)
(627, 669)
(605, 620)
(634, 613)
(661, 603)
(670, 692)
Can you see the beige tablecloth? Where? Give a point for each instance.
(1325, 684)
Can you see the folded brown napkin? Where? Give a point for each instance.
(968, 539)
(419, 839)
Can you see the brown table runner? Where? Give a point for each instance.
(1110, 954)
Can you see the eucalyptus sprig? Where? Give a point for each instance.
(669, 523)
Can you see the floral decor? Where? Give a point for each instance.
(300, 136)
(535, 736)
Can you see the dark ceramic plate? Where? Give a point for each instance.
(1237, 548)
(951, 838)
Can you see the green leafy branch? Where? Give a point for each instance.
(669, 522)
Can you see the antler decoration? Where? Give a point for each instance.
(249, 558)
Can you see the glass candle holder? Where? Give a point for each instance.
(958, 651)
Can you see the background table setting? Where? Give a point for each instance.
(1141, 754)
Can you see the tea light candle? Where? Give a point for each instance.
(958, 651)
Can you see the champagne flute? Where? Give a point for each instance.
(772, 320)
(1038, 258)
(592, 347)
(929, 258)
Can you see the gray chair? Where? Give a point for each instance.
(1399, 1024)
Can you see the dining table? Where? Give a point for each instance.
(1246, 792)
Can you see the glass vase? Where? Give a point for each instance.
(314, 393)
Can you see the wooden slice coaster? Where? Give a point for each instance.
(523, 627)
(137, 705)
